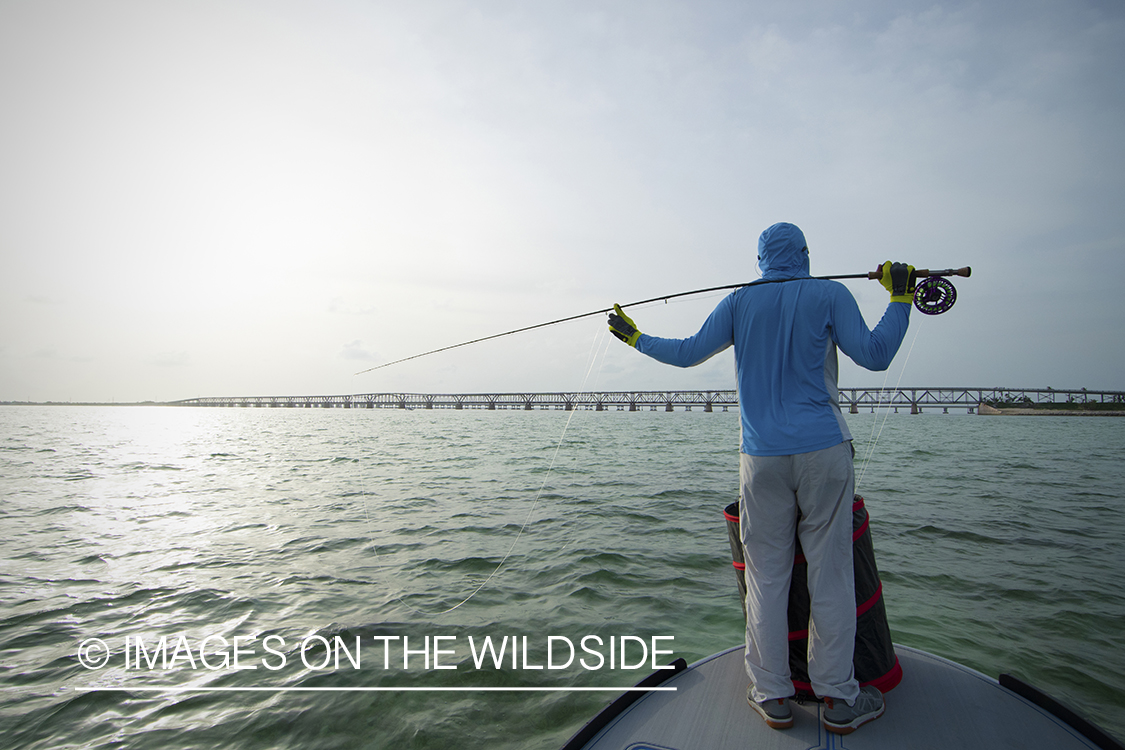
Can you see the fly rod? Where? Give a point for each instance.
(933, 296)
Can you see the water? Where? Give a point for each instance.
(999, 540)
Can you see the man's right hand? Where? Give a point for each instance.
(898, 279)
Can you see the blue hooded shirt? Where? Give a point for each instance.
(785, 337)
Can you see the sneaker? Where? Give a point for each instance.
(775, 711)
(841, 717)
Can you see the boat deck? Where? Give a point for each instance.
(939, 705)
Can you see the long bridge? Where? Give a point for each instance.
(855, 399)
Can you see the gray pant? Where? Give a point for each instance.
(822, 485)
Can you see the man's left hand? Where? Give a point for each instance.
(623, 327)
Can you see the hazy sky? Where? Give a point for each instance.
(263, 198)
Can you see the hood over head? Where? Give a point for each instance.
(783, 252)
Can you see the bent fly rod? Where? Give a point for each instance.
(933, 295)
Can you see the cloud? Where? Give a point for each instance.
(357, 351)
(170, 359)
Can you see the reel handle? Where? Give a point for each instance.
(921, 273)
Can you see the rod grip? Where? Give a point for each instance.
(921, 273)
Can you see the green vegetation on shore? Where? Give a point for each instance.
(1117, 404)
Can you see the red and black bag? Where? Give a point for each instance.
(875, 660)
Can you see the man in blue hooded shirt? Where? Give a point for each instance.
(795, 454)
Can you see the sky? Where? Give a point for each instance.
(266, 198)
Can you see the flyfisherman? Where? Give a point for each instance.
(796, 453)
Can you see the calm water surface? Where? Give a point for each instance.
(1000, 542)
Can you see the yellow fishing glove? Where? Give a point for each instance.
(622, 326)
(898, 279)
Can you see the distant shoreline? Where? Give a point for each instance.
(991, 411)
(84, 403)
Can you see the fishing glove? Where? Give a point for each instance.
(622, 326)
(898, 279)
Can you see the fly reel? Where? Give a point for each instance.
(934, 295)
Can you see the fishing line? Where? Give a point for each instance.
(872, 437)
(539, 494)
(593, 358)
(887, 412)
(934, 299)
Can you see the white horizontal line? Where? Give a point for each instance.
(174, 689)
